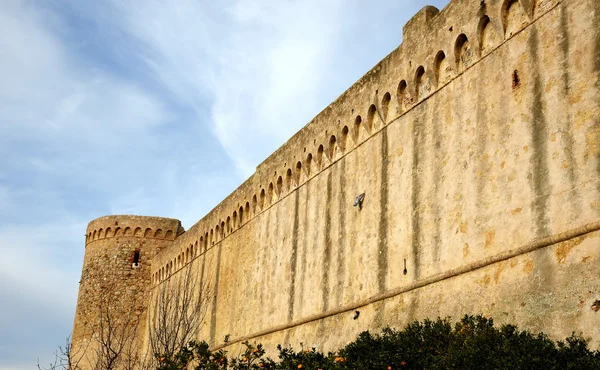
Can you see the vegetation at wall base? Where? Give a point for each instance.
(472, 343)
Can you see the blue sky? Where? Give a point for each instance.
(154, 108)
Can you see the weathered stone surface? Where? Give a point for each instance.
(477, 143)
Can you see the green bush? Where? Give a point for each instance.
(472, 343)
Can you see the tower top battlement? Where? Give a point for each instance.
(131, 225)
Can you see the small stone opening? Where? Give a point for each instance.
(135, 261)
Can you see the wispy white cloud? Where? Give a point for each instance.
(251, 62)
(73, 137)
(149, 107)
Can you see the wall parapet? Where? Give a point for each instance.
(438, 47)
(133, 226)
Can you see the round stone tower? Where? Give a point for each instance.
(115, 285)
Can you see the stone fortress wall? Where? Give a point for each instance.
(477, 145)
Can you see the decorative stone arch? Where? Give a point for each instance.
(247, 212)
(385, 105)
(307, 167)
(320, 157)
(222, 230)
(488, 37)
(169, 234)
(357, 125)
(514, 17)
(332, 145)
(262, 198)
(108, 233)
(234, 220)
(227, 228)
(118, 231)
(137, 232)
(127, 231)
(289, 180)
(254, 204)
(158, 234)
(148, 233)
(298, 173)
(271, 193)
(94, 235)
(443, 70)
(344, 139)
(421, 89)
(369, 124)
(404, 99)
(463, 52)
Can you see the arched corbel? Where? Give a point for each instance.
(495, 14)
(528, 6)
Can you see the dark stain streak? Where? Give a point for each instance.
(343, 203)
(307, 226)
(416, 189)
(539, 139)
(482, 140)
(293, 261)
(265, 251)
(274, 248)
(382, 252)
(595, 23)
(565, 127)
(439, 156)
(327, 250)
(202, 269)
(213, 314)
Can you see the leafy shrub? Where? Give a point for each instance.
(472, 343)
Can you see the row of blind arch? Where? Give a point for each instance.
(464, 53)
(127, 231)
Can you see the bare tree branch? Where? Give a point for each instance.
(179, 307)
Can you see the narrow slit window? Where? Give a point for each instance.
(136, 258)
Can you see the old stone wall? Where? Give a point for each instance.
(476, 143)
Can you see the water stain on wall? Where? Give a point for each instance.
(566, 126)
(540, 182)
(213, 313)
(415, 197)
(294, 257)
(440, 155)
(305, 246)
(596, 13)
(327, 249)
(382, 250)
(343, 205)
